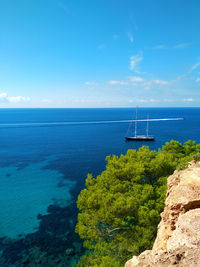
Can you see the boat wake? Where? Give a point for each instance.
(49, 124)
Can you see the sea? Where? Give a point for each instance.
(45, 156)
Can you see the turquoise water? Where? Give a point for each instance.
(26, 192)
(45, 155)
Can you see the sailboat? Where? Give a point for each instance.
(136, 137)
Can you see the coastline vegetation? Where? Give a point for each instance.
(120, 208)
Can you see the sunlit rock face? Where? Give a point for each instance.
(178, 237)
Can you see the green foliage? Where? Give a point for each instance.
(95, 260)
(120, 209)
(196, 157)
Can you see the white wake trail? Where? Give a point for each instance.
(40, 124)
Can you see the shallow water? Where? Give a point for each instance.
(27, 191)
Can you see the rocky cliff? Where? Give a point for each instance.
(178, 237)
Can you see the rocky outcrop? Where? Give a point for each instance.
(178, 237)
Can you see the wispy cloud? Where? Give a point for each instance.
(145, 84)
(115, 82)
(180, 77)
(132, 21)
(17, 99)
(160, 82)
(153, 100)
(4, 98)
(188, 100)
(177, 46)
(132, 80)
(182, 45)
(198, 80)
(90, 83)
(136, 79)
(150, 84)
(130, 37)
(143, 100)
(194, 67)
(159, 47)
(134, 60)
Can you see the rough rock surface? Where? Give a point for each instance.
(178, 237)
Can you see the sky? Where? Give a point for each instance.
(99, 53)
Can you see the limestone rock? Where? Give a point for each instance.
(178, 238)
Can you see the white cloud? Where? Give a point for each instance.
(161, 82)
(133, 80)
(13, 99)
(198, 80)
(90, 83)
(188, 99)
(134, 60)
(17, 99)
(140, 82)
(159, 47)
(114, 82)
(153, 100)
(130, 37)
(149, 84)
(3, 97)
(136, 79)
(182, 45)
(195, 66)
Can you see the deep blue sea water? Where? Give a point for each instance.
(43, 165)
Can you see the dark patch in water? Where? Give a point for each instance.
(22, 166)
(54, 242)
(62, 183)
(67, 167)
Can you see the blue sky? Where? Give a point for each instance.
(99, 53)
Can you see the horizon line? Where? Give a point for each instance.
(93, 107)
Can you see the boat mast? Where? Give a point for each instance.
(147, 124)
(136, 122)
